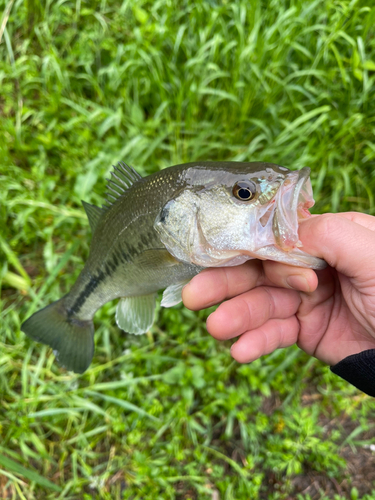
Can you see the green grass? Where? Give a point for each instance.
(170, 415)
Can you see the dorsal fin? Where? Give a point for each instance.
(122, 177)
(93, 214)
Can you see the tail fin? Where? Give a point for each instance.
(71, 339)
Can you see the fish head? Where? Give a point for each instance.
(226, 215)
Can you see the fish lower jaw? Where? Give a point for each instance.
(303, 212)
(293, 257)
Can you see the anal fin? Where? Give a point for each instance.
(136, 314)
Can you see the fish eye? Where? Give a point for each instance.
(244, 190)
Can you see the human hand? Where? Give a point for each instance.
(330, 314)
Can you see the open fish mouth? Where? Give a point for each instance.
(302, 195)
(293, 202)
(277, 229)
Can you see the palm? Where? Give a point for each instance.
(336, 319)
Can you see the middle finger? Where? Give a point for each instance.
(217, 284)
(251, 310)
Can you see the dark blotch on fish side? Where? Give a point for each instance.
(87, 291)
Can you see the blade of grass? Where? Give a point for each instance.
(13, 259)
(108, 386)
(15, 281)
(58, 210)
(124, 404)
(5, 17)
(31, 475)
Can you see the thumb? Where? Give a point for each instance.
(343, 240)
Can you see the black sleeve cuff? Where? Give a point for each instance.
(359, 370)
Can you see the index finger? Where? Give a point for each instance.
(214, 285)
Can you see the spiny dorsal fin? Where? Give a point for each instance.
(122, 177)
(93, 214)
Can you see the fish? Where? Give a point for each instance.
(158, 232)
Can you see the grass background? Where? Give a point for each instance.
(169, 415)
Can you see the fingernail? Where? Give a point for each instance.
(298, 282)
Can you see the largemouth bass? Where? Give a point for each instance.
(159, 231)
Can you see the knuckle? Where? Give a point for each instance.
(270, 300)
(248, 316)
(224, 283)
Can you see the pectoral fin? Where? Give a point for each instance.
(157, 257)
(136, 314)
(172, 294)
